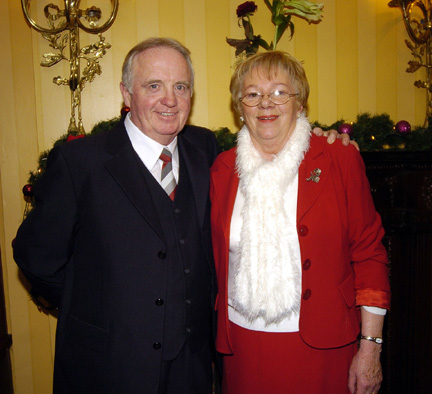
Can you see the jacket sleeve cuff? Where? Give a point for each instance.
(372, 297)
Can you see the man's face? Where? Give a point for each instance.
(161, 93)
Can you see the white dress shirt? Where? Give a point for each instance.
(149, 150)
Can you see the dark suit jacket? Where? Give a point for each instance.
(94, 246)
(344, 262)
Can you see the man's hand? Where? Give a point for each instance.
(332, 135)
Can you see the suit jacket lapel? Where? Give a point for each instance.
(196, 161)
(127, 170)
(308, 190)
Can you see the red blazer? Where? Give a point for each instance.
(343, 259)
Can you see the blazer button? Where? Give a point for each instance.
(159, 302)
(307, 294)
(306, 264)
(162, 255)
(157, 345)
(303, 230)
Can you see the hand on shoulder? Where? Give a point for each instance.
(332, 135)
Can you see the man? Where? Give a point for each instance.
(130, 269)
(129, 266)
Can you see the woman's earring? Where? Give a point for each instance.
(241, 118)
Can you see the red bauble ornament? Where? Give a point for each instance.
(28, 190)
(72, 137)
(124, 111)
(346, 128)
(402, 127)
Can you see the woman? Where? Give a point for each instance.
(297, 244)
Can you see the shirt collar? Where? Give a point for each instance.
(148, 149)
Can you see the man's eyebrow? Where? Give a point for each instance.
(159, 81)
(187, 83)
(151, 81)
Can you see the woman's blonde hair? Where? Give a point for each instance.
(269, 64)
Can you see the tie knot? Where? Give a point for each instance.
(165, 155)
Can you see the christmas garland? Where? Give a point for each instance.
(42, 160)
(372, 133)
(380, 133)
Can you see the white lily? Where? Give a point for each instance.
(305, 9)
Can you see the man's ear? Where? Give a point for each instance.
(126, 95)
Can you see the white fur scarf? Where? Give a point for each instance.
(267, 282)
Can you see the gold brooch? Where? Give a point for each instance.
(315, 175)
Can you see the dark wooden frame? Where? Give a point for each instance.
(401, 184)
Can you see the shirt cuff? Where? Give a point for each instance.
(375, 310)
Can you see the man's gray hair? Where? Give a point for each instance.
(154, 42)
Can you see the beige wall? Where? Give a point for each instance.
(355, 59)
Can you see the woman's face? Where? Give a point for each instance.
(270, 125)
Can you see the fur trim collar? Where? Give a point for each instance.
(267, 280)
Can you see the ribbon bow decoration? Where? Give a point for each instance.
(315, 176)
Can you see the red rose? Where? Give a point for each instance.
(248, 7)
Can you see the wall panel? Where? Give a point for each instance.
(327, 70)
(367, 58)
(195, 40)
(171, 19)
(218, 62)
(386, 52)
(347, 59)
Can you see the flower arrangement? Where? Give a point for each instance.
(282, 12)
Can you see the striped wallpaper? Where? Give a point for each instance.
(355, 61)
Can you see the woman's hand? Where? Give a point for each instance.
(365, 374)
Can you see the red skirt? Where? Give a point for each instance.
(281, 363)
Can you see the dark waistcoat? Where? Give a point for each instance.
(187, 301)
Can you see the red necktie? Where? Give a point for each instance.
(168, 181)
